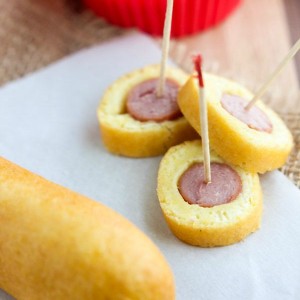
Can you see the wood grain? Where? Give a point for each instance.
(247, 47)
(292, 9)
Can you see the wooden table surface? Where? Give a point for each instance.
(248, 46)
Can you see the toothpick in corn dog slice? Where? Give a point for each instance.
(256, 139)
(203, 117)
(207, 204)
(139, 115)
(145, 103)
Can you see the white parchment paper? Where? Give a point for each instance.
(48, 125)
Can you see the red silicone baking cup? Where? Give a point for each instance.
(189, 16)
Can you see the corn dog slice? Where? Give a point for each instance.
(258, 145)
(207, 225)
(124, 135)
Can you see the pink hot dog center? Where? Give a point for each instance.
(144, 103)
(224, 187)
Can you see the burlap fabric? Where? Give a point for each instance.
(292, 167)
(34, 33)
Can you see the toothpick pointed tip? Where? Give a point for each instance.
(249, 105)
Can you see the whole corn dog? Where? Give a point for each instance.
(57, 244)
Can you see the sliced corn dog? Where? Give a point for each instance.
(256, 140)
(220, 213)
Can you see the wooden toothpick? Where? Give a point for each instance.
(276, 72)
(204, 120)
(165, 49)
